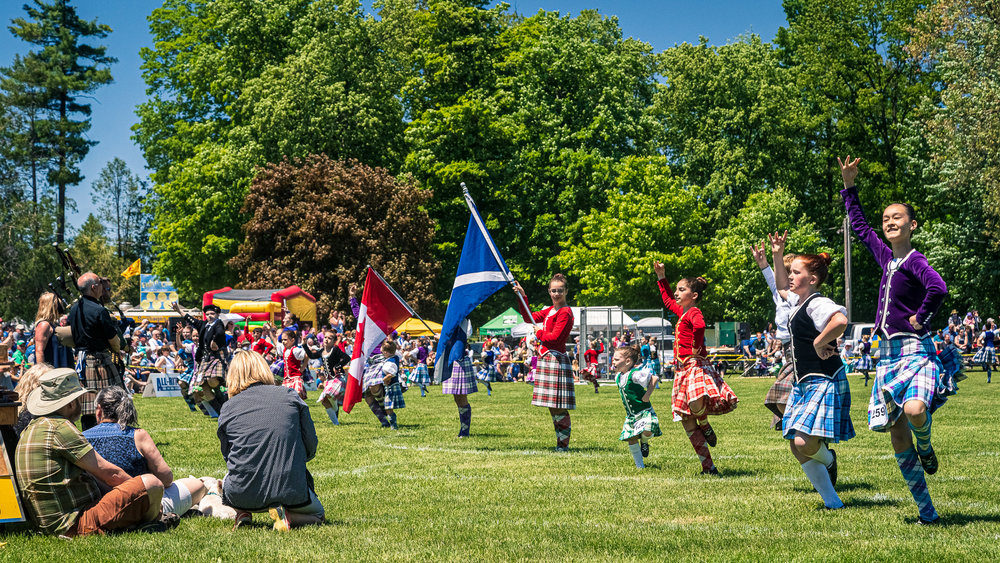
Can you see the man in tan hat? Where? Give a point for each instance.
(57, 470)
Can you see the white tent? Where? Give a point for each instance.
(655, 326)
(611, 318)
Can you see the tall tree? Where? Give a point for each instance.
(311, 220)
(120, 197)
(64, 69)
(234, 85)
(22, 92)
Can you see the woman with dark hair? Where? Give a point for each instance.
(554, 375)
(911, 379)
(698, 388)
(118, 438)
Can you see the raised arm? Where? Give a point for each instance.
(666, 294)
(778, 255)
(856, 215)
(526, 314)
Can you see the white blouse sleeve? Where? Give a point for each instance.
(299, 353)
(641, 377)
(821, 309)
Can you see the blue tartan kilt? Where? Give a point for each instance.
(373, 371)
(462, 380)
(394, 397)
(420, 375)
(986, 355)
(820, 406)
(488, 374)
(864, 363)
(911, 369)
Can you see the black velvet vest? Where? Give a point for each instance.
(804, 357)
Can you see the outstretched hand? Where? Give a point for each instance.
(778, 242)
(661, 271)
(518, 289)
(848, 170)
(759, 256)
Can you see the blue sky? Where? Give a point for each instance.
(660, 23)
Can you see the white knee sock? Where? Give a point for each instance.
(823, 455)
(332, 413)
(636, 455)
(820, 478)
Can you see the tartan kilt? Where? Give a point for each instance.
(334, 388)
(208, 369)
(394, 397)
(554, 383)
(420, 376)
(697, 378)
(98, 373)
(373, 371)
(488, 374)
(296, 384)
(640, 422)
(589, 373)
(864, 363)
(777, 395)
(987, 355)
(911, 369)
(820, 406)
(462, 380)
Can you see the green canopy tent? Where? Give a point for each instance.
(502, 324)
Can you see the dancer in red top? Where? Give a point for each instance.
(554, 376)
(590, 357)
(698, 389)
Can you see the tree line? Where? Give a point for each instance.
(295, 141)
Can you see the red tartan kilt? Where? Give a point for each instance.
(696, 378)
(296, 384)
(554, 385)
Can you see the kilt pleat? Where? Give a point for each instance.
(554, 386)
(98, 373)
(696, 378)
(394, 397)
(911, 369)
(777, 396)
(462, 380)
(820, 406)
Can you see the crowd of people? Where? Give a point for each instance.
(111, 475)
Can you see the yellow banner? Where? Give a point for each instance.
(132, 270)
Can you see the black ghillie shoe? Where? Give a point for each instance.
(929, 461)
(644, 448)
(832, 469)
(710, 436)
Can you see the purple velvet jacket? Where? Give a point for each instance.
(914, 288)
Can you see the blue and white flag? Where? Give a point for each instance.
(481, 272)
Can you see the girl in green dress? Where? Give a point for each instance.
(635, 385)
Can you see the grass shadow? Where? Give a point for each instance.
(737, 473)
(854, 486)
(960, 519)
(870, 502)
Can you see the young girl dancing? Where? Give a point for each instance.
(698, 389)
(421, 376)
(390, 380)
(292, 355)
(635, 385)
(334, 359)
(591, 356)
(911, 379)
(819, 408)
(864, 363)
(489, 371)
(776, 398)
(554, 374)
(987, 354)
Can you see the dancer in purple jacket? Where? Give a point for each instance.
(911, 380)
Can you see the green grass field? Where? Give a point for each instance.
(503, 495)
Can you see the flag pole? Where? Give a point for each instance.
(403, 301)
(489, 243)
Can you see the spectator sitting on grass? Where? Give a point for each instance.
(118, 438)
(267, 436)
(58, 470)
(28, 383)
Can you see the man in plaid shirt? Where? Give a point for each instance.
(57, 470)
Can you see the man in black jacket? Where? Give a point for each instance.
(96, 337)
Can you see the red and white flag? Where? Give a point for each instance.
(382, 310)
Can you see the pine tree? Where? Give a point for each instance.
(53, 79)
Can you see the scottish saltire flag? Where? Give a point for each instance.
(481, 272)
